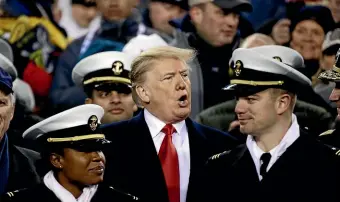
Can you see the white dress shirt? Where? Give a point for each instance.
(292, 134)
(181, 141)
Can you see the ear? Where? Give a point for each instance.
(135, 108)
(283, 103)
(57, 160)
(12, 112)
(143, 94)
(88, 101)
(196, 15)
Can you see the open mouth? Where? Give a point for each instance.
(183, 101)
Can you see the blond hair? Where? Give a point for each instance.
(143, 63)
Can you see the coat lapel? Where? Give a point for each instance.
(197, 143)
(244, 166)
(146, 157)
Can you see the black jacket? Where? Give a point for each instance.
(306, 171)
(22, 172)
(133, 164)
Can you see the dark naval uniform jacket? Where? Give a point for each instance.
(42, 193)
(133, 164)
(306, 171)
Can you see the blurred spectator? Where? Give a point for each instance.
(308, 29)
(334, 6)
(78, 16)
(119, 24)
(23, 116)
(257, 39)
(37, 41)
(264, 11)
(212, 28)
(329, 49)
(279, 26)
(158, 14)
(17, 168)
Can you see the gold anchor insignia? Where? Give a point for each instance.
(277, 58)
(238, 67)
(117, 67)
(93, 122)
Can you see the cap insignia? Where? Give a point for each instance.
(93, 122)
(277, 58)
(117, 67)
(238, 67)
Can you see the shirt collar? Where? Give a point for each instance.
(155, 125)
(288, 139)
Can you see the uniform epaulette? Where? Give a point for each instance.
(216, 156)
(327, 132)
(13, 193)
(135, 198)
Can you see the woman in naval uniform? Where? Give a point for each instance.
(72, 151)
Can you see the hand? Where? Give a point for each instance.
(281, 32)
(234, 125)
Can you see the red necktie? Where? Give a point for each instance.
(169, 160)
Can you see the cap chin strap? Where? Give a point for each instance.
(76, 138)
(256, 83)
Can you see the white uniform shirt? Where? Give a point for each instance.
(181, 141)
(255, 151)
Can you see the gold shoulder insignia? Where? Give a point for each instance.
(337, 152)
(11, 193)
(216, 156)
(326, 132)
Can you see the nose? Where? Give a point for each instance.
(181, 85)
(232, 19)
(97, 156)
(115, 98)
(240, 107)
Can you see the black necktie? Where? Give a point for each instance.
(265, 158)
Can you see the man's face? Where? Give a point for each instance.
(116, 9)
(161, 13)
(118, 105)
(214, 25)
(6, 113)
(256, 113)
(334, 6)
(83, 15)
(168, 90)
(307, 39)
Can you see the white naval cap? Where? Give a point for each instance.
(282, 53)
(76, 125)
(109, 66)
(142, 43)
(265, 67)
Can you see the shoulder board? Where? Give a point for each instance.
(216, 156)
(327, 132)
(13, 193)
(135, 198)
